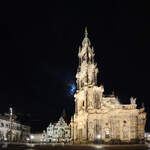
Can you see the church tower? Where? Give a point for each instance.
(87, 70)
(86, 79)
(99, 118)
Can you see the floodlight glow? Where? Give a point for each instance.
(98, 136)
(148, 135)
(32, 137)
(98, 146)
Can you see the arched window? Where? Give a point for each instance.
(96, 100)
(107, 133)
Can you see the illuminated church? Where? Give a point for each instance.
(99, 118)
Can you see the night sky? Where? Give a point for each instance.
(38, 54)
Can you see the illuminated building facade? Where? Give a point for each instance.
(11, 130)
(59, 132)
(99, 118)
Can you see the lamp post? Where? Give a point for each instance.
(98, 138)
(11, 119)
(31, 138)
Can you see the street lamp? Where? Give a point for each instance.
(31, 137)
(27, 139)
(10, 117)
(98, 136)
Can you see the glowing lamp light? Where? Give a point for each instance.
(98, 136)
(32, 137)
(148, 135)
(98, 146)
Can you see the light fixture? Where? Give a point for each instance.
(98, 136)
(32, 137)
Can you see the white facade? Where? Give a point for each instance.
(59, 132)
(12, 130)
(36, 137)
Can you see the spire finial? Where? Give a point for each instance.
(86, 29)
(86, 33)
(86, 39)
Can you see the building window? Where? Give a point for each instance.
(2, 125)
(107, 134)
(80, 134)
(7, 126)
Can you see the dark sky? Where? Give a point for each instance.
(38, 54)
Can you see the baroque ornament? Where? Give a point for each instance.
(99, 118)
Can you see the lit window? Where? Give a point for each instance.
(107, 133)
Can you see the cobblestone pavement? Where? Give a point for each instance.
(70, 147)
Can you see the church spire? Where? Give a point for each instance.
(86, 32)
(86, 39)
(87, 70)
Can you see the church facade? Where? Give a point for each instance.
(99, 118)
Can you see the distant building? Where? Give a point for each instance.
(147, 136)
(99, 118)
(11, 130)
(57, 132)
(36, 137)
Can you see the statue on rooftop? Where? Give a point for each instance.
(133, 101)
